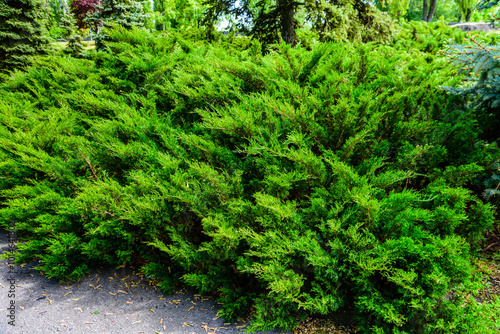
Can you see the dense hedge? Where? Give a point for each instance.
(299, 180)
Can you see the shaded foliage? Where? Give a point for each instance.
(479, 63)
(75, 46)
(22, 34)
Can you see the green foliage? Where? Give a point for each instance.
(444, 9)
(279, 20)
(22, 34)
(75, 46)
(295, 181)
(433, 37)
(347, 22)
(397, 8)
(466, 7)
(127, 13)
(481, 89)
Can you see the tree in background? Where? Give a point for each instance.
(447, 9)
(397, 8)
(59, 8)
(147, 8)
(428, 10)
(178, 13)
(81, 9)
(127, 13)
(22, 33)
(272, 20)
(466, 7)
(75, 46)
(159, 14)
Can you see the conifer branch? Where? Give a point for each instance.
(88, 163)
(237, 75)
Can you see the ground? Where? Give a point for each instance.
(117, 301)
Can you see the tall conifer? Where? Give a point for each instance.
(22, 34)
(75, 46)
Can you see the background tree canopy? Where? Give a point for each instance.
(270, 21)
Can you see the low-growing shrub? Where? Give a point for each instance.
(299, 180)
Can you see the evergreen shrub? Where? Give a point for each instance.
(127, 13)
(481, 90)
(295, 181)
(75, 46)
(430, 37)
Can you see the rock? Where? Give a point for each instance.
(474, 26)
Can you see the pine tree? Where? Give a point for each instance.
(22, 34)
(75, 46)
(481, 88)
(127, 13)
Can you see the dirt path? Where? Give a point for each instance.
(106, 301)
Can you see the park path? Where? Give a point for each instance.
(106, 301)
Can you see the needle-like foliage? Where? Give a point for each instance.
(299, 181)
(22, 35)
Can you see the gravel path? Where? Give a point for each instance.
(106, 301)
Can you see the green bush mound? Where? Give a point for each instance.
(295, 181)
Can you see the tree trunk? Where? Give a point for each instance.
(432, 9)
(424, 11)
(467, 17)
(287, 21)
(399, 14)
